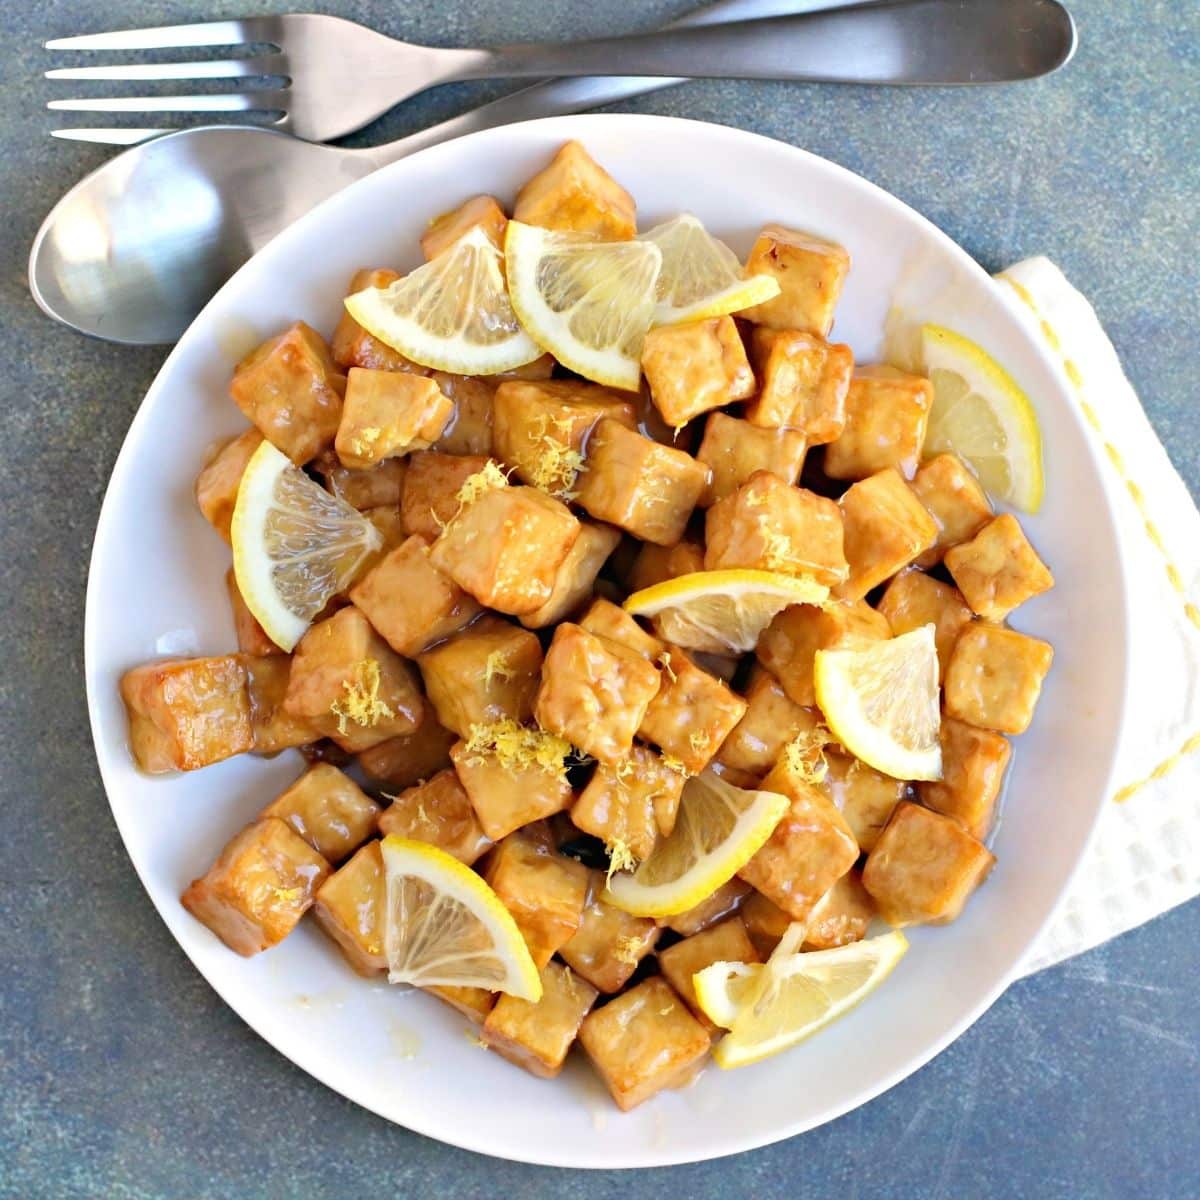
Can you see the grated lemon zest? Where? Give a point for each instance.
(804, 755)
(675, 764)
(488, 478)
(628, 949)
(292, 893)
(620, 857)
(664, 661)
(558, 464)
(518, 747)
(496, 666)
(367, 438)
(361, 704)
(699, 740)
(777, 547)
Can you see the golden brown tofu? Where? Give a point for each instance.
(291, 389)
(219, 479)
(472, 1002)
(350, 907)
(507, 792)
(914, 599)
(998, 570)
(765, 923)
(726, 941)
(254, 895)
(402, 761)
(810, 272)
(644, 1041)
(973, 766)
(770, 722)
(995, 677)
(656, 564)
(694, 367)
(865, 797)
(631, 803)
(924, 867)
(841, 916)
(431, 488)
(353, 346)
(574, 194)
(607, 620)
(377, 486)
(953, 498)
(328, 810)
(609, 943)
(480, 212)
(469, 430)
(576, 575)
(274, 727)
(185, 713)
(391, 529)
(718, 905)
(387, 414)
(768, 526)
(645, 488)
(734, 451)
(251, 637)
(538, 1036)
(886, 414)
(886, 528)
(439, 812)
(803, 381)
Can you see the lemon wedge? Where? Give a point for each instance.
(701, 277)
(452, 314)
(444, 926)
(295, 546)
(717, 831)
(881, 703)
(722, 989)
(588, 303)
(721, 612)
(980, 414)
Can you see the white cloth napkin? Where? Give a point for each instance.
(1146, 855)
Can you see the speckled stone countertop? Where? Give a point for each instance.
(123, 1076)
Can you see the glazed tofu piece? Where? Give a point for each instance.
(574, 194)
(505, 548)
(924, 867)
(645, 488)
(609, 943)
(470, 428)
(538, 1036)
(771, 720)
(734, 451)
(765, 923)
(431, 488)
(545, 892)
(254, 895)
(886, 414)
(387, 414)
(291, 389)
(810, 272)
(274, 728)
(403, 761)
(631, 803)
(576, 575)
(391, 529)
(439, 812)
(995, 678)
(350, 907)
(353, 346)
(914, 599)
(694, 367)
(726, 941)
(693, 713)
(841, 916)
(486, 673)
(410, 602)
(768, 526)
(219, 479)
(375, 487)
(973, 765)
(594, 693)
(998, 570)
(185, 713)
(954, 499)
(472, 1002)
(803, 381)
(865, 797)
(250, 635)
(656, 564)
(722, 903)
(480, 212)
(328, 810)
(886, 528)
(644, 1041)
(505, 790)
(607, 620)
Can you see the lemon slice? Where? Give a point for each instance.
(717, 831)
(588, 303)
(794, 995)
(452, 314)
(980, 414)
(295, 546)
(722, 989)
(881, 703)
(443, 926)
(721, 612)
(701, 277)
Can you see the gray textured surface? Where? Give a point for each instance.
(123, 1076)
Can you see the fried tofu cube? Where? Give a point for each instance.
(694, 367)
(998, 570)
(924, 867)
(350, 907)
(886, 528)
(387, 414)
(431, 488)
(185, 713)
(472, 1002)
(507, 794)
(219, 479)
(644, 1041)
(718, 905)
(594, 693)
(376, 487)
(767, 525)
(973, 766)
(439, 812)
(488, 672)
(328, 810)
(403, 761)
(810, 272)
(803, 381)
(576, 575)
(353, 346)
(811, 848)
(954, 499)
(771, 720)
(470, 428)
(274, 727)
(250, 635)
(537, 1036)
(914, 599)
(765, 923)
(692, 714)
(865, 797)
(656, 564)
(734, 451)
(291, 389)
(630, 804)
(726, 941)
(995, 677)
(609, 943)
(410, 602)
(545, 892)
(574, 194)
(606, 620)
(506, 546)
(841, 916)
(390, 527)
(886, 414)
(480, 212)
(254, 895)
(645, 488)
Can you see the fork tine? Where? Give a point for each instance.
(109, 137)
(163, 37)
(227, 102)
(229, 68)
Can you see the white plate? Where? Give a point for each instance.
(157, 587)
